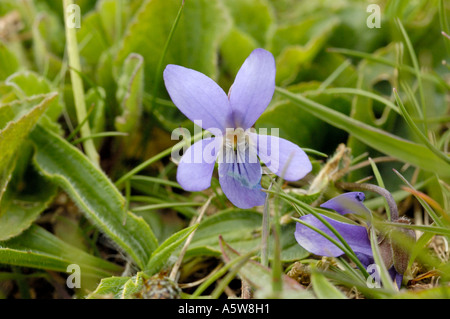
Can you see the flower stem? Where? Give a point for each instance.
(277, 270)
(77, 86)
(265, 232)
(376, 189)
(176, 267)
(277, 267)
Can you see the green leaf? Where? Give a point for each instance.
(47, 46)
(94, 193)
(235, 48)
(8, 62)
(260, 277)
(26, 84)
(133, 286)
(130, 93)
(253, 20)
(323, 288)
(140, 286)
(252, 17)
(407, 151)
(242, 229)
(18, 210)
(305, 130)
(113, 15)
(92, 37)
(120, 287)
(37, 248)
(195, 41)
(95, 98)
(105, 78)
(111, 287)
(290, 249)
(23, 116)
(165, 250)
(297, 45)
(236, 226)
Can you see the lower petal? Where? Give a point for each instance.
(312, 241)
(282, 157)
(197, 164)
(395, 276)
(241, 183)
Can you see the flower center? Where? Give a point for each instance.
(236, 139)
(238, 147)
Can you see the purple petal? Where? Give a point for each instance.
(348, 203)
(197, 164)
(282, 157)
(395, 276)
(198, 97)
(355, 236)
(253, 88)
(241, 183)
(398, 280)
(366, 260)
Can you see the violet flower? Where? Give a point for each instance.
(356, 236)
(229, 119)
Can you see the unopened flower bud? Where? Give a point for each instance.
(400, 253)
(385, 248)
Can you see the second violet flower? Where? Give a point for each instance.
(356, 236)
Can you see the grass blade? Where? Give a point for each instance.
(416, 70)
(323, 288)
(417, 131)
(407, 151)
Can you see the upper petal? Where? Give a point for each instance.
(348, 203)
(241, 183)
(197, 164)
(282, 157)
(253, 88)
(198, 97)
(356, 236)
